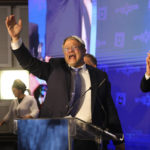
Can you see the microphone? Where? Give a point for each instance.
(83, 94)
(101, 83)
(71, 106)
(102, 107)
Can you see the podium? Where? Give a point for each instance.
(57, 134)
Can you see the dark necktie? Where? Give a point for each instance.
(75, 101)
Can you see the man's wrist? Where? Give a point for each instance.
(15, 39)
(16, 44)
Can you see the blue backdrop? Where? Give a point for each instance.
(123, 40)
(120, 40)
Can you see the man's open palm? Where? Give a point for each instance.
(13, 27)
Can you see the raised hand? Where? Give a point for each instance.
(14, 28)
(148, 65)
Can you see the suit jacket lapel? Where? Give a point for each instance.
(93, 85)
(68, 80)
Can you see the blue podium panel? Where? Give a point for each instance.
(43, 134)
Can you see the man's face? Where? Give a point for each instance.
(73, 53)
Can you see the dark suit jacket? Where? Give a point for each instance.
(145, 85)
(58, 77)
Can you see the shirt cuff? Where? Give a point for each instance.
(16, 45)
(147, 77)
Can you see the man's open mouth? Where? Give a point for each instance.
(72, 56)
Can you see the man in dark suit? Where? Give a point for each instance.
(95, 106)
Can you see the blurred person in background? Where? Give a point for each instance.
(24, 107)
(90, 60)
(39, 94)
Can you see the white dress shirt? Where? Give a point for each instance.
(84, 112)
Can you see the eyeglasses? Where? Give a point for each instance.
(73, 48)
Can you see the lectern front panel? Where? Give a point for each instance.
(42, 134)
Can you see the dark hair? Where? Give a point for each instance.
(78, 39)
(18, 84)
(93, 59)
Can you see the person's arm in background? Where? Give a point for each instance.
(113, 121)
(34, 108)
(33, 65)
(145, 83)
(34, 111)
(8, 115)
